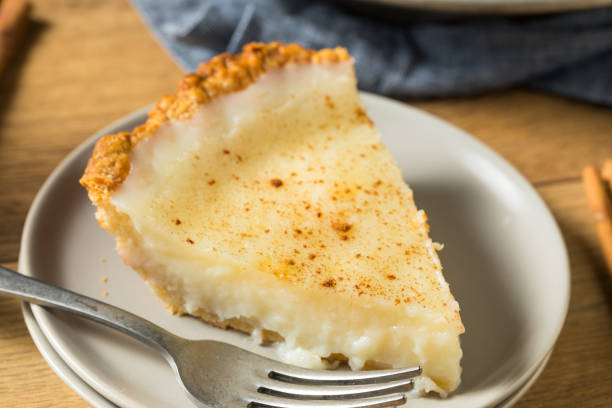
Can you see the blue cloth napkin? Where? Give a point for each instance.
(569, 54)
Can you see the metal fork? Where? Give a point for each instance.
(219, 375)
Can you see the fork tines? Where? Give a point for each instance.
(263, 401)
(297, 388)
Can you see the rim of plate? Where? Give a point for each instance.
(58, 365)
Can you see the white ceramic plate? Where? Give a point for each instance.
(490, 6)
(98, 401)
(504, 258)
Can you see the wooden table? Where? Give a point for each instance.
(89, 62)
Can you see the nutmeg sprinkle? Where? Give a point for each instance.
(276, 182)
(330, 283)
(341, 226)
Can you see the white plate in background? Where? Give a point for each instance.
(486, 6)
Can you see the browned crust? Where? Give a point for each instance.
(109, 164)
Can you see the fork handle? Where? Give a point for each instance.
(32, 290)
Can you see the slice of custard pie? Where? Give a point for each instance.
(260, 197)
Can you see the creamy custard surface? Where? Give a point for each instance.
(260, 197)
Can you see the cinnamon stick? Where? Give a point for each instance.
(601, 208)
(13, 21)
(606, 172)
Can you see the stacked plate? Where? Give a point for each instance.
(487, 6)
(504, 259)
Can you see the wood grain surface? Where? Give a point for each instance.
(86, 63)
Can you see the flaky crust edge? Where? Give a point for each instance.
(109, 164)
